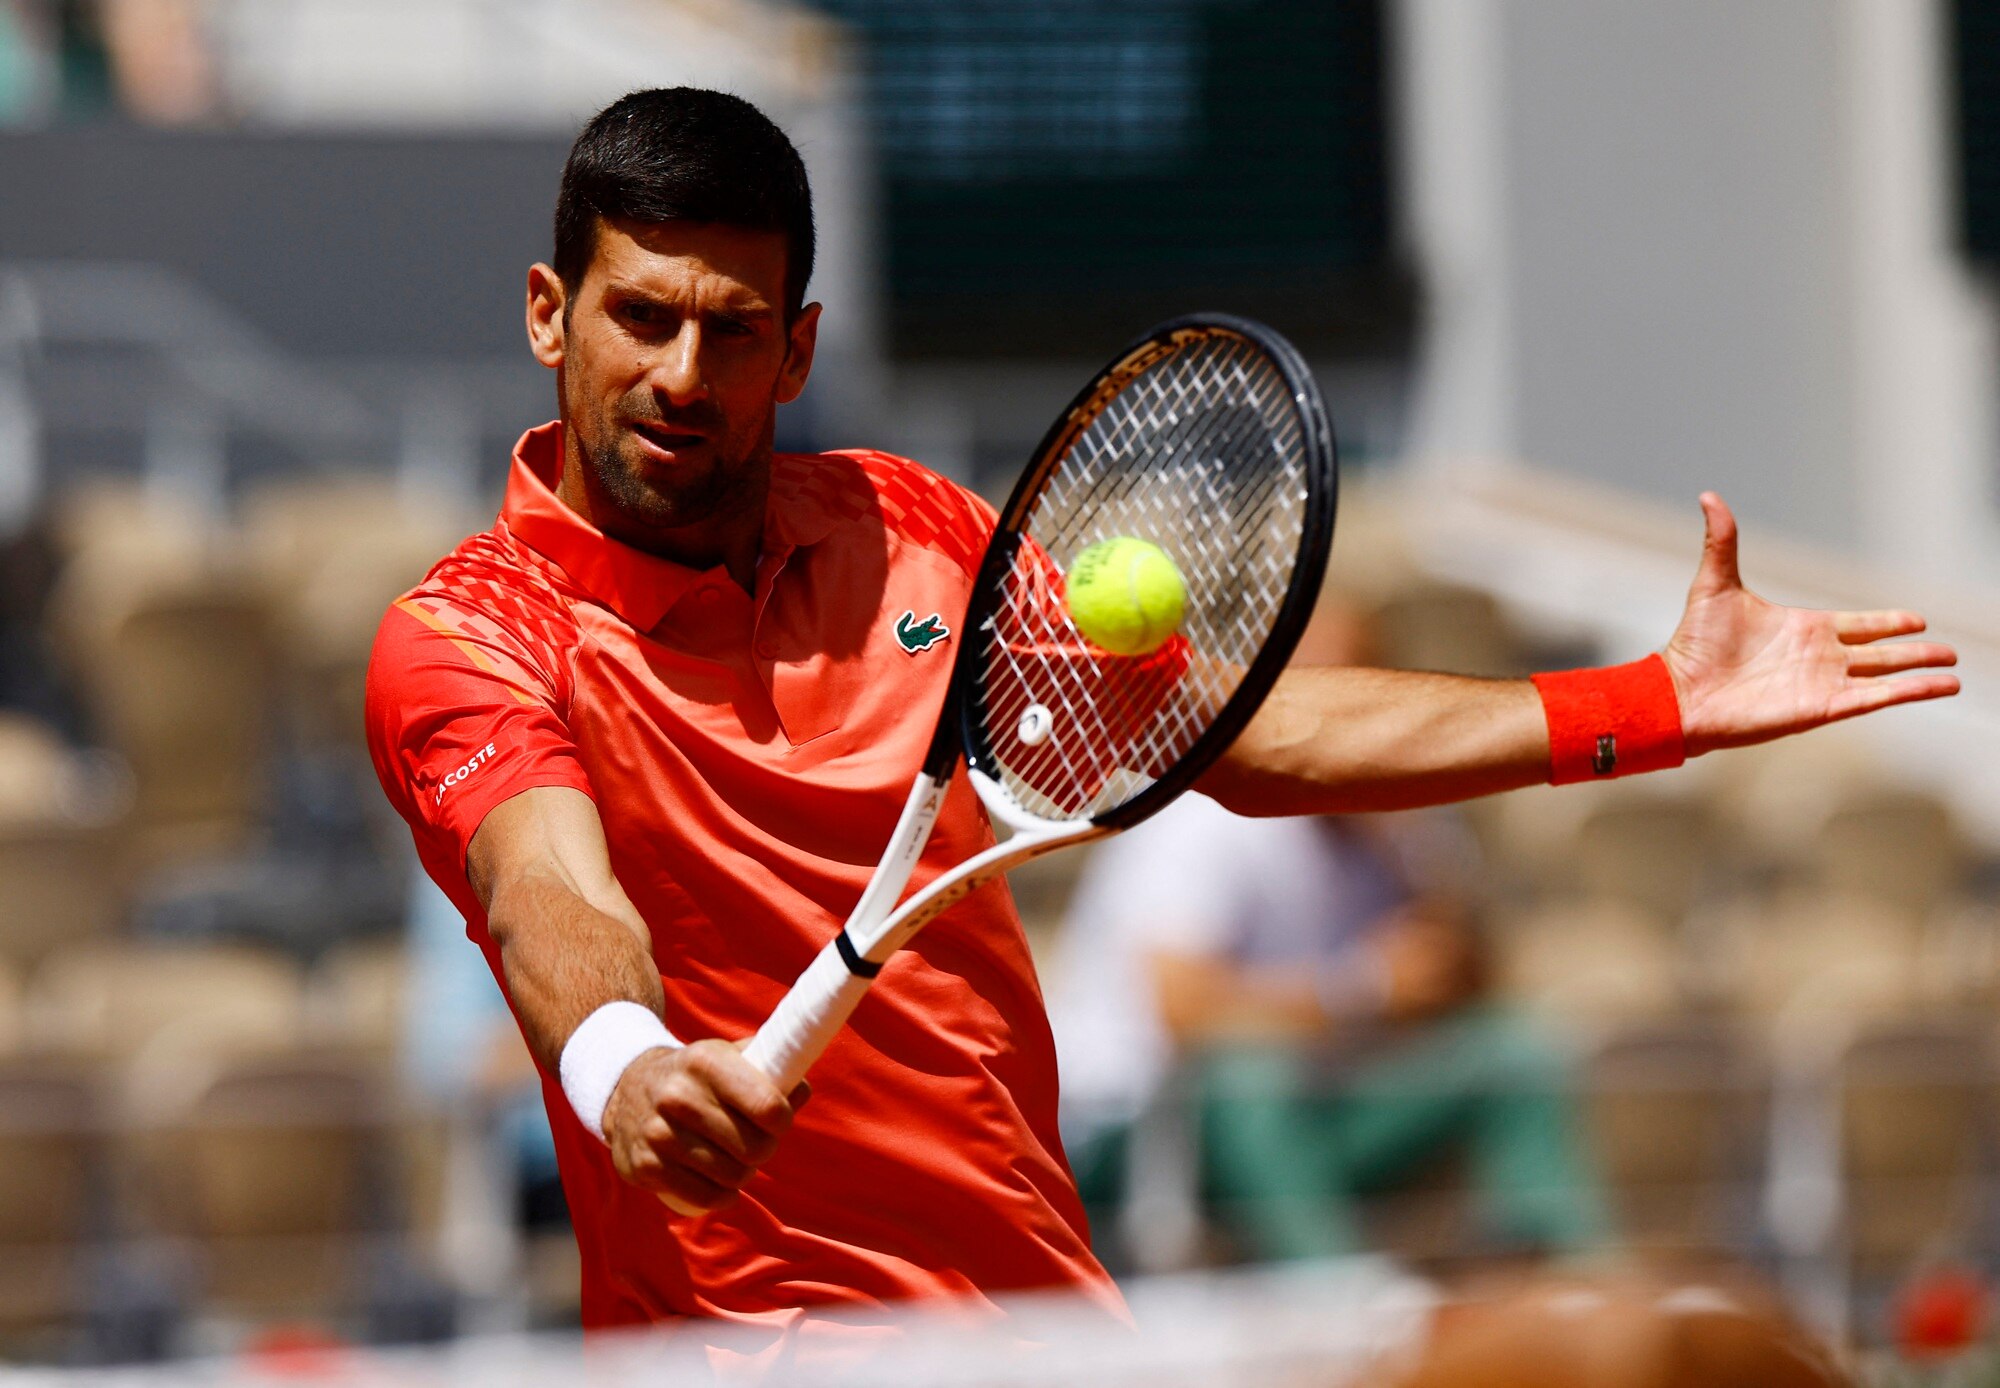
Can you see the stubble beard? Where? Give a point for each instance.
(734, 481)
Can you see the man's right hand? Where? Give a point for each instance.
(693, 1124)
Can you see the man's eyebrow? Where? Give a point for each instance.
(619, 289)
(755, 306)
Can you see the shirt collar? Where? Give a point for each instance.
(639, 587)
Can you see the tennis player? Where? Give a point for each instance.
(652, 729)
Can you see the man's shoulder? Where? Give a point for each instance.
(493, 589)
(917, 505)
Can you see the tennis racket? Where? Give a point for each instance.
(1208, 438)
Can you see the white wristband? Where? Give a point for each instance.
(597, 1052)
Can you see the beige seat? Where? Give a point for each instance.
(117, 1002)
(268, 1170)
(1435, 626)
(1676, 1114)
(1916, 1121)
(61, 885)
(62, 878)
(49, 1149)
(13, 1019)
(291, 525)
(1655, 844)
(1899, 848)
(1775, 795)
(126, 516)
(1589, 962)
(329, 622)
(1653, 852)
(180, 685)
(165, 637)
(1818, 954)
(357, 997)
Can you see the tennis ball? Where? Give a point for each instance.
(1126, 596)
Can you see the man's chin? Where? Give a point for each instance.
(641, 499)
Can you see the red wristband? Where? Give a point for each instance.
(1612, 722)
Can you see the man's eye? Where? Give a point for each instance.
(642, 313)
(733, 327)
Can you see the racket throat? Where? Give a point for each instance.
(892, 873)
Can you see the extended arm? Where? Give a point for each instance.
(1743, 671)
(689, 1123)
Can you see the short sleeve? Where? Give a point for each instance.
(459, 719)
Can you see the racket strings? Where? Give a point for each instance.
(1203, 453)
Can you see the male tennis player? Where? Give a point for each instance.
(652, 730)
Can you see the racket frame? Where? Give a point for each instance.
(824, 996)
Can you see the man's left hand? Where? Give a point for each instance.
(1746, 670)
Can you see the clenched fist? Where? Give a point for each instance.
(692, 1125)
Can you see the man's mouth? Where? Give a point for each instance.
(666, 439)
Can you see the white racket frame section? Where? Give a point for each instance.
(819, 1004)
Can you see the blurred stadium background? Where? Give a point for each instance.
(1559, 265)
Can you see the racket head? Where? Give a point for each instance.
(1207, 436)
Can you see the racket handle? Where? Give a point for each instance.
(808, 1019)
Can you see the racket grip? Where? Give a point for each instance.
(808, 1019)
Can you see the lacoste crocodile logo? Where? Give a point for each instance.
(913, 635)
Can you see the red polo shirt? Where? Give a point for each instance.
(749, 754)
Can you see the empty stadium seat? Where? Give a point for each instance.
(1916, 1107)
(49, 1189)
(1656, 845)
(62, 878)
(61, 886)
(273, 1171)
(1832, 955)
(330, 554)
(1652, 852)
(180, 686)
(357, 996)
(166, 640)
(1899, 848)
(13, 1024)
(1675, 1110)
(114, 1002)
(1435, 626)
(1590, 962)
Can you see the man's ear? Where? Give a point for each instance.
(546, 300)
(802, 339)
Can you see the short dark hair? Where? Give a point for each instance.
(685, 154)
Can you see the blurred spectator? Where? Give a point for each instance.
(161, 60)
(151, 60)
(1330, 1005)
(83, 67)
(23, 64)
(465, 1053)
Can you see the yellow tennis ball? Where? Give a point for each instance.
(1126, 596)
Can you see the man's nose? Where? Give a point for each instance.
(676, 370)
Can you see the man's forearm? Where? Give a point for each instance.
(1333, 741)
(564, 959)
